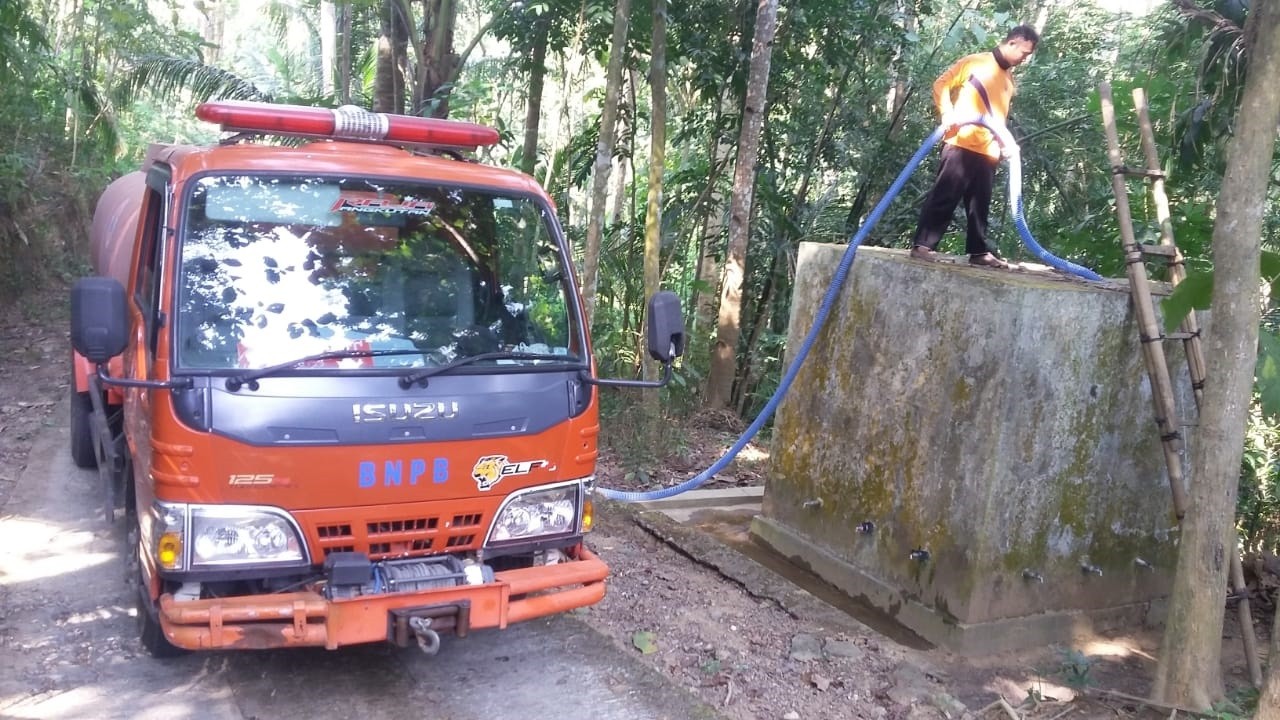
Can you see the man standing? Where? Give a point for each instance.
(979, 84)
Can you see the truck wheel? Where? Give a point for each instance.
(149, 630)
(82, 440)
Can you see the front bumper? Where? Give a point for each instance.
(307, 619)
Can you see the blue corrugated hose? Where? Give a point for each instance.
(833, 291)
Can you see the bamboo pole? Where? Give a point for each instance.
(1148, 327)
(1245, 614)
(1177, 270)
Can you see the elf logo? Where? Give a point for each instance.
(490, 469)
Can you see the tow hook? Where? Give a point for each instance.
(428, 639)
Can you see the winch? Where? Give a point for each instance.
(353, 574)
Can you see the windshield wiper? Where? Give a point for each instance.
(235, 382)
(409, 380)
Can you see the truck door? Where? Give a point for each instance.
(140, 355)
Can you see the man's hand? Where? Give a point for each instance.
(950, 120)
(1009, 150)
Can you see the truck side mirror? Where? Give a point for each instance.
(665, 341)
(99, 318)
(666, 327)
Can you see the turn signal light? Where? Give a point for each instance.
(588, 515)
(169, 551)
(345, 123)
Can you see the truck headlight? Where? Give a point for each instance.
(243, 535)
(538, 512)
(192, 537)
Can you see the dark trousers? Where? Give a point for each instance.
(962, 175)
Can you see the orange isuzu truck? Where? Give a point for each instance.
(338, 377)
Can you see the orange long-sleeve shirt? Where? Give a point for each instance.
(953, 91)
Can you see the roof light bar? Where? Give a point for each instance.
(345, 123)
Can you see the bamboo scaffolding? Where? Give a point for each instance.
(1150, 332)
(1148, 325)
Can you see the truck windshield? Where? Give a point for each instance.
(275, 268)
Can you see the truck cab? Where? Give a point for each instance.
(342, 385)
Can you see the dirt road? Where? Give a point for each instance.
(724, 630)
(68, 647)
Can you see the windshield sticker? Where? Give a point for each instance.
(490, 469)
(362, 202)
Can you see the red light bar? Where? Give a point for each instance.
(345, 123)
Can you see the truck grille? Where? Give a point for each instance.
(381, 534)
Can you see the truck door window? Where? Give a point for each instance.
(147, 292)
(275, 268)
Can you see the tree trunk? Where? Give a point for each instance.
(898, 91)
(1189, 673)
(604, 157)
(622, 129)
(1269, 700)
(533, 114)
(776, 278)
(657, 163)
(438, 59)
(328, 46)
(214, 30)
(388, 83)
(343, 69)
(759, 321)
(711, 227)
(618, 180)
(724, 354)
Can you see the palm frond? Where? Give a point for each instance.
(171, 77)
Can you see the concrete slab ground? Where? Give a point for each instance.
(723, 528)
(714, 527)
(682, 507)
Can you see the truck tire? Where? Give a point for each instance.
(150, 633)
(82, 441)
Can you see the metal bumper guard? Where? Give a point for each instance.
(305, 619)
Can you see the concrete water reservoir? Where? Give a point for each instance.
(973, 451)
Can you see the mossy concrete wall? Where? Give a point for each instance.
(1000, 421)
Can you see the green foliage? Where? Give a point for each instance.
(1075, 668)
(1191, 294)
(54, 133)
(1210, 47)
(1240, 704)
(1258, 504)
(645, 641)
(1195, 292)
(1267, 372)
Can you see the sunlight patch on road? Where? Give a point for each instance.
(104, 701)
(99, 614)
(33, 549)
